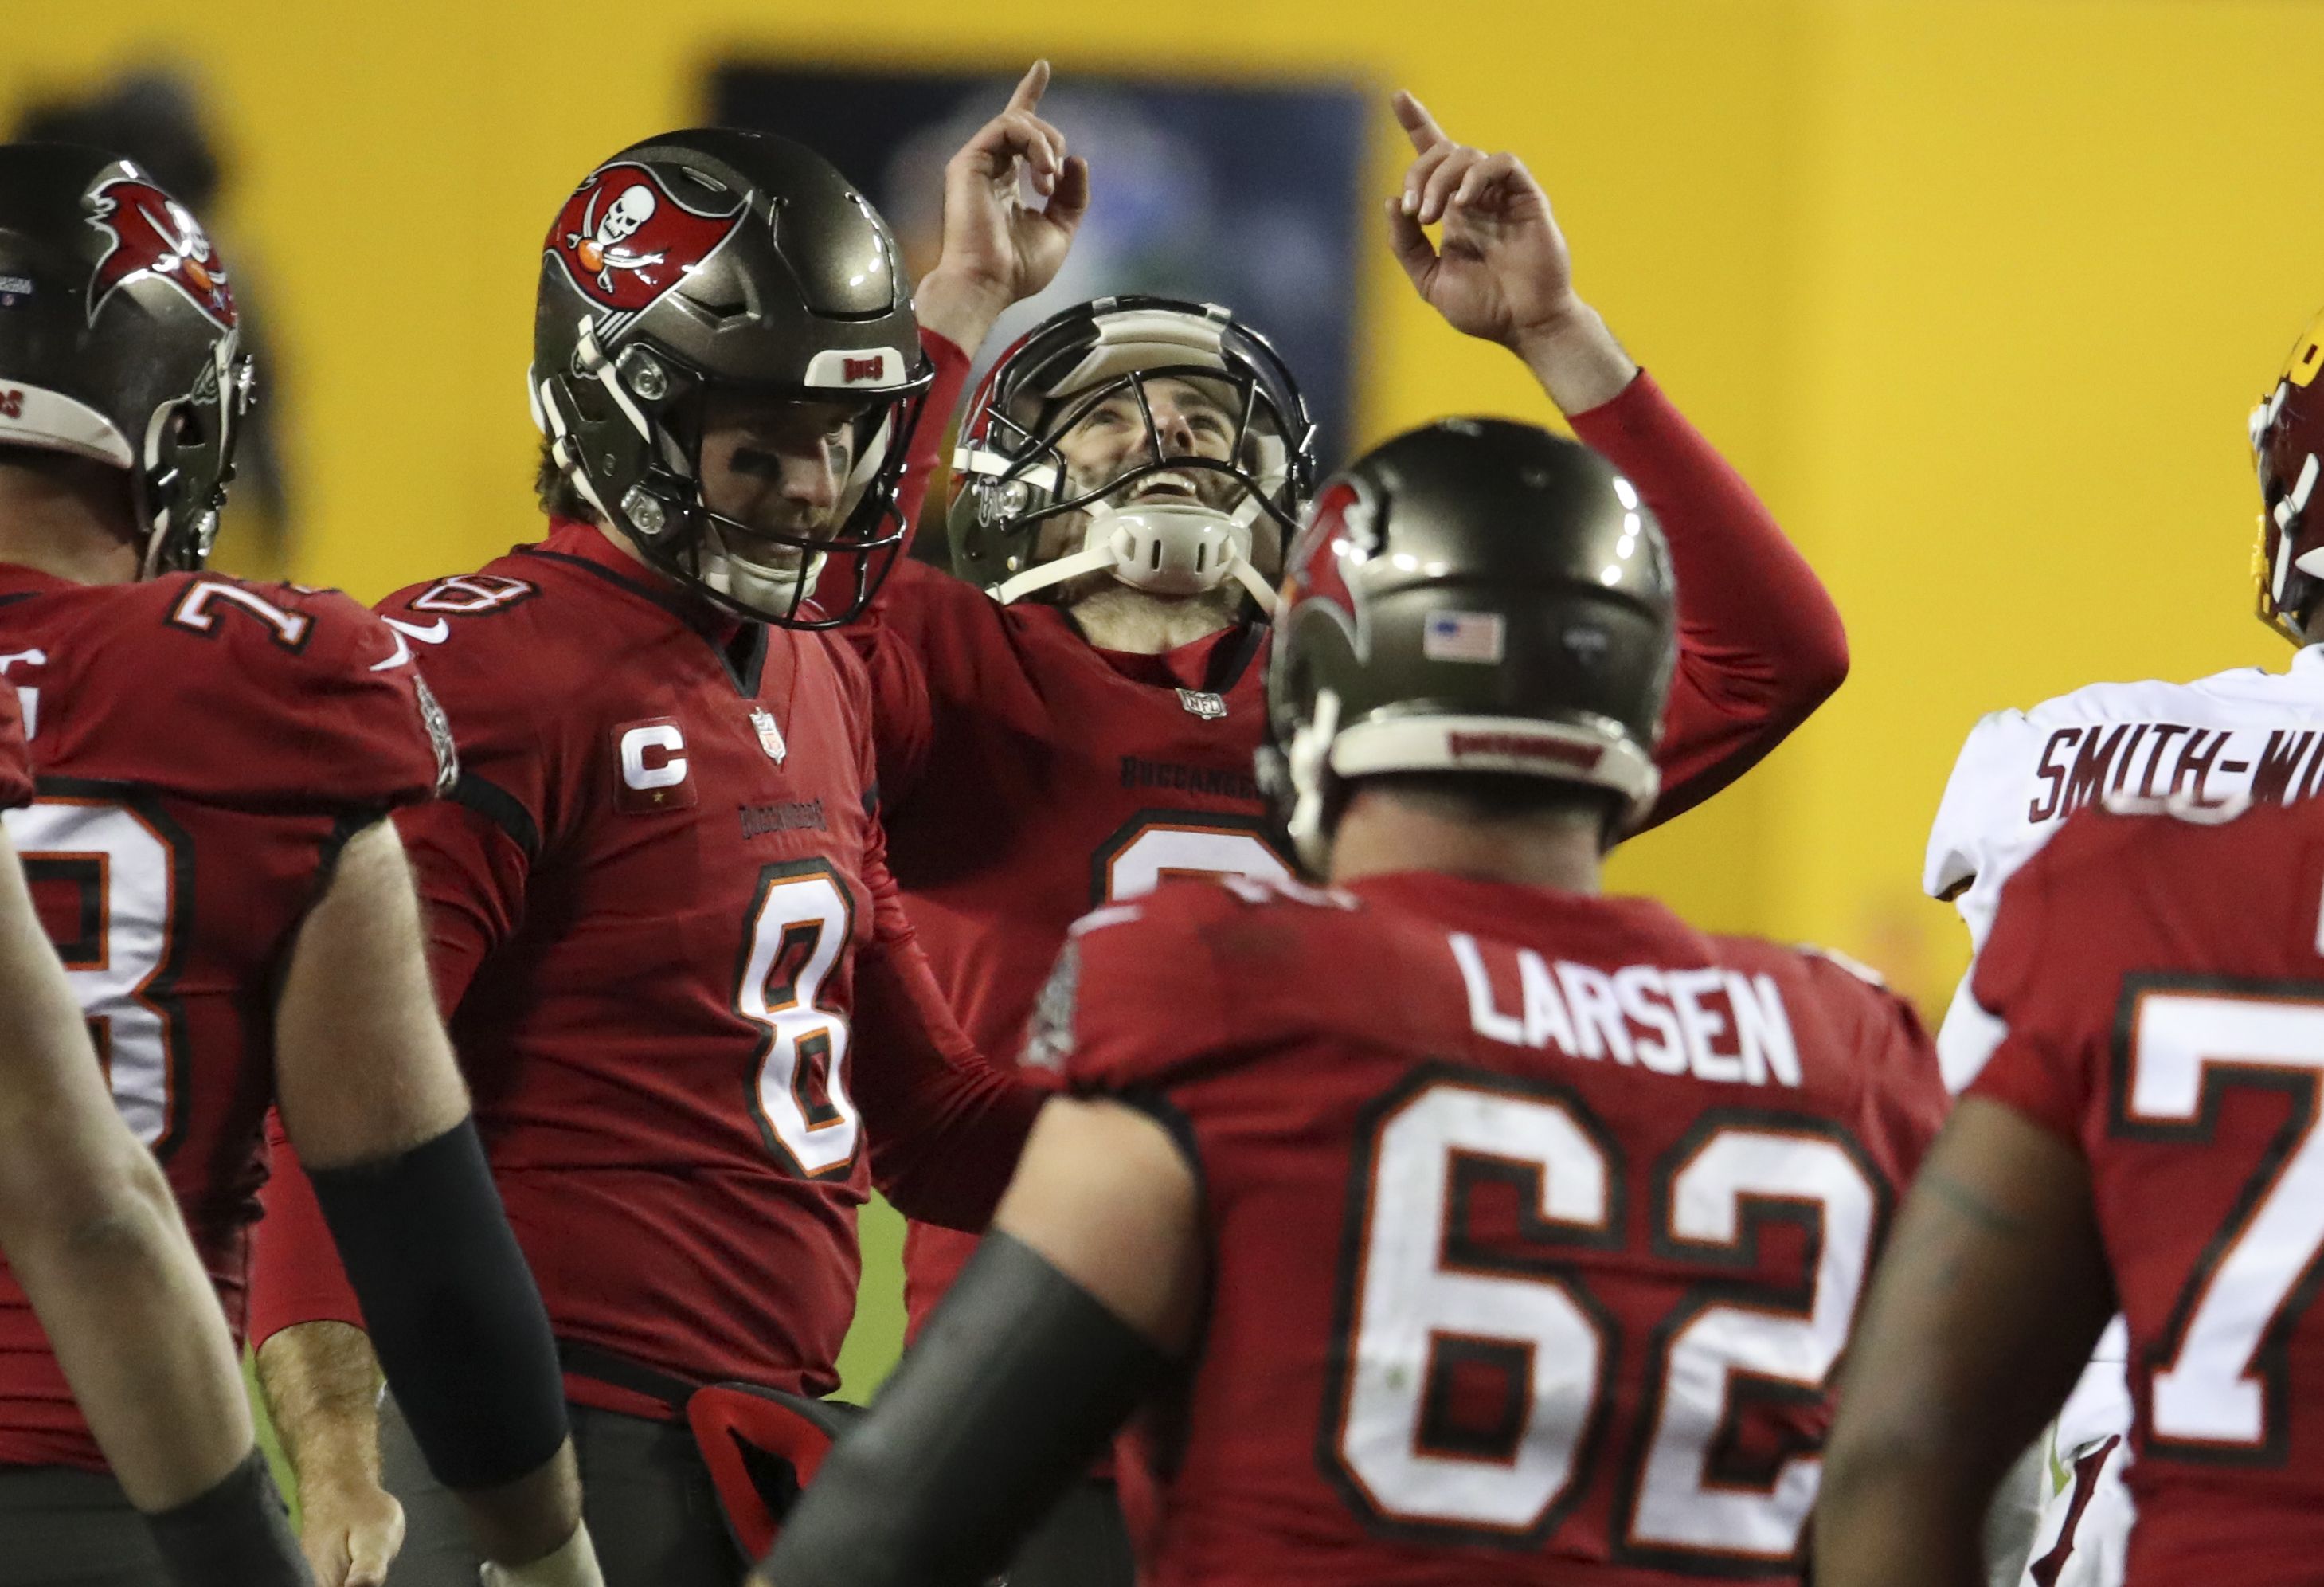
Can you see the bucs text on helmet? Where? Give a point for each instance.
(118, 340)
(1168, 521)
(2287, 435)
(1477, 595)
(722, 264)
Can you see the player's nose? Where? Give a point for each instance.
(809, 479)
(1177, 434)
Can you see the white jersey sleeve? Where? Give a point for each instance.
(1962, 839)
(1973, 848)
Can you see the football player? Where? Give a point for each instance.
(1453, 1225)
(94, 1239)
(1074, 716)
(2244, 733)
(208, 853)
(663, 927)
(2143, 1139)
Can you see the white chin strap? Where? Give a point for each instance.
(768, 590)
(1308, 760)
(2287, 513)
(1163, 547)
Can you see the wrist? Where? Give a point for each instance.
(958, 308)
(335, 1488)
(573, 1565)
(1575, 357)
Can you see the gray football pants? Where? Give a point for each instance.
(60, 1528)
(653, 1514)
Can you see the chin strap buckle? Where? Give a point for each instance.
(1165, 549)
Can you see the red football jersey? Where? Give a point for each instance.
(15, 770)
(1029, 776)
(203, 747)
(2163, 986)
(685, 995)
(1536, 1225)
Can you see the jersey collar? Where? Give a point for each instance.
(740, 647)
(1213, 664)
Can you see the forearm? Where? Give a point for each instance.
(945, 1127)
(1759, 634)
(1896, 1516)
(93, 1235)
(368, 1090)
(461, 1335)
(949, 356)
(321, 1383)
(958, 306)
(1760, 641)
(1016, 1385)
(1984, 1306)
(138, 1330)
(951, 1167)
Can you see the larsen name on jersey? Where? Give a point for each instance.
(1712, 1022)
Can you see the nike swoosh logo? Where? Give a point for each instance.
(402, 655)
(435, 633)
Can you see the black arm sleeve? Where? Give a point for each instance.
(1016, 1385)
(235, 1534)
(451, 1308)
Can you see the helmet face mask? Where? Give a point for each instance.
(1476, 597)
(1167, 516)
(2287, 437)
(125, 350)
(709, 271)
(189, 461)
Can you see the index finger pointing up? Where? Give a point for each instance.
(1030, 86)
(1418, 125)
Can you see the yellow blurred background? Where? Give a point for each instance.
(1977, 292)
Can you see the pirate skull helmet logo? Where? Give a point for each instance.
(1343, 532)
(601, 250)
(155, 235)
(624, 238)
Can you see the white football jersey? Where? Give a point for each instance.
(2248, 731)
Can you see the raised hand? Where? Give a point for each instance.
(1502, 272)
(1502, 268)
(998, 249)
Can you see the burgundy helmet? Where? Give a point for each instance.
(2287, 434)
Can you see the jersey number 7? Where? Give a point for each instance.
(2219, 1390)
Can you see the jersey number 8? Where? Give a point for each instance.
(117, 867)
(802, 923)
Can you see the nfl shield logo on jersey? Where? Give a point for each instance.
(770, 737)
(1201, 703)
